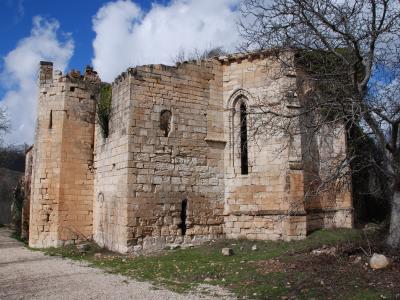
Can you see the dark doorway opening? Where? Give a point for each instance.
(183, 224)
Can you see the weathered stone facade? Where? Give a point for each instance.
(62, 177)
(172, 169)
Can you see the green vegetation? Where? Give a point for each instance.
(274, 270)
(333, 82)
(104, 109)
(12, 157)
(12, 166)
(17, 204)
(327, 64)
(16, 235)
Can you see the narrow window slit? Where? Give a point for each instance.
(183, 224)
(244, 157)
(51, 120)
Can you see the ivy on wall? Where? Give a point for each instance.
(104, 109)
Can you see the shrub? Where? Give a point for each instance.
(16, 207)
(104, 109)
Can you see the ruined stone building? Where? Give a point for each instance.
(182, 162)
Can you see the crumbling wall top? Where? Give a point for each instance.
(48, 76)
(180, 69)
(252, 55)
(45, 72)
(90, 75)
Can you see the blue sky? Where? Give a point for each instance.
(75, 17)
(109, 35)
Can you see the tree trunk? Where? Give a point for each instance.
(393, 240)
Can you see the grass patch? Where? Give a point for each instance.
(262, 274)
(184, 269)
(367, 294)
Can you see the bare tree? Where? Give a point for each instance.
(197, 54)
(349, 53)
(4, 124)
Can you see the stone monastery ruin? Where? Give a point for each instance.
(182, 162)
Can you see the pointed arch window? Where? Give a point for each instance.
(244, 155)
(239, 119)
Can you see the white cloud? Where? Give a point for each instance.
(126, 36)
(19, 76)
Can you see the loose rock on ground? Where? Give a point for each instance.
(378, 261)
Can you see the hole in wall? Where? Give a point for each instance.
(165, 122)
(100, 199)
(183, 225)
(47, 217)
(72, 89)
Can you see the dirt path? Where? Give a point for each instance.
(26, 274)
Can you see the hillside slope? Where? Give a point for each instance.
(8, 181)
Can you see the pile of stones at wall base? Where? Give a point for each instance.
(181, 164)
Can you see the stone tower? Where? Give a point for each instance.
(62, 178)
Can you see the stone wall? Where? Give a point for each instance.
(329, 206)
(62, 178)
(267, 202)
(112, 172)
(168, 187)
(328, 202)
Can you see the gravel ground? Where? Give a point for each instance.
(26, 274)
